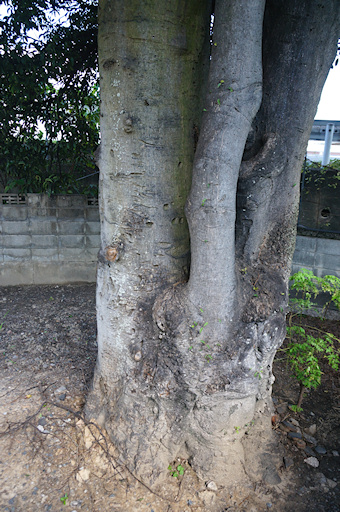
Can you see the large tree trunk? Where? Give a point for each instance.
(185, 357)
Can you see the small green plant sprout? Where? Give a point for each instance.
(204, 325)
(205, 343)
(244, 270)
(295, 408)
(64, 498)
(306, 347)
(208, 357)
(218, 101)
(220, 83)
(3, 321)
(237, 429)
(258, 374)
(191, 347)
(250, 424)
(194, 325)
(231, 89)
(176, 472)
(203, 202)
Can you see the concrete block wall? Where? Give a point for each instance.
(321, 255)
(48, 240)
(55, 240)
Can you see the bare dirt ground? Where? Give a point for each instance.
(51, 460)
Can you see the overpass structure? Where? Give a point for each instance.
(329, 131)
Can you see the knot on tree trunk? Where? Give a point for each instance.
(167, 305)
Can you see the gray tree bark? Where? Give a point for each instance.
(189, 319)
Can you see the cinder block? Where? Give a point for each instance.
(72, 241)
(71, 213)
(322, 272)
(41, 201)
(13, 212)
(305, 243)
(41, 241)
(297, 268)
(73, 254)
(38, 213)
(92, 253)
(327, 246)
(46, 254)
(68, 201)
(92, 213)
(92, 227)
(16, 254)
(14, 227)
(69, 227)
(43, 227)
(16, 240)
(304, 259)
(93, 241)
(327, 261)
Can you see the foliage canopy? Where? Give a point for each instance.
(49, 98)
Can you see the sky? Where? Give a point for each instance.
(329, 106)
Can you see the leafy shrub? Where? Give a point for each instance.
(307, 347)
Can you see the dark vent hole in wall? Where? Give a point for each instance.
(325, 213)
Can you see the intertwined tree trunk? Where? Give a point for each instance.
(188, 325)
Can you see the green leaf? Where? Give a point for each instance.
(63, 499)
(180, 469)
